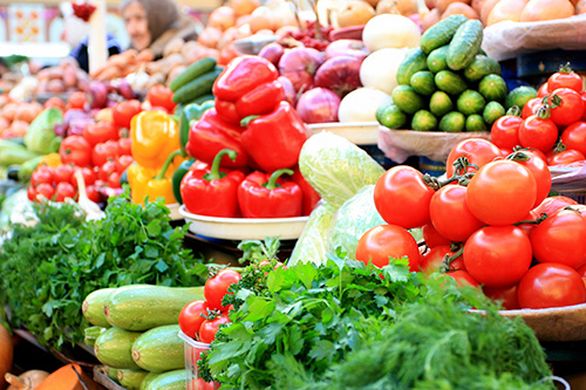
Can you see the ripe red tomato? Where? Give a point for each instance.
(89, 176)
(76, 150)
(543, 91)
(43, 174)
(432, 238)
(561, 238)
(161, 96)
(501, 193)
(433, 259)
(124, 146)
(63, 191)
(450, 215)
(97, 133)
(574, 137)
(402, 197)
(200, 384)
(63, 173)
(538, 167)
(478, 151)
(77, 100)
(498, 256)
(584, 102)
(107, 151)
(538, 133)
(565, 157)
(123, 112)
(506, 295)
(551, 285)
(55, 102)
(123, 163)
(532, 107)
(505, 131)
(380, 243)
(582, 271)
(565, 78)
(463, 278)
(570, 108)
(191, 318)
(114, 180)
(209, 328)
(46, 190)
(216, 287)
(31, 193)
(107, 169)
(93, 194)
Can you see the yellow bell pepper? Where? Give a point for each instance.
(151, 183)
(52, 160)
(155, 135)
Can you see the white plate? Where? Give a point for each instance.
(244, 228)
(359, 133)
(174, 208)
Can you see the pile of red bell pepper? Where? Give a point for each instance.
(259, 132)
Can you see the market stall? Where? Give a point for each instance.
(299, 195)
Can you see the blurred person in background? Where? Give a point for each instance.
(151, 24)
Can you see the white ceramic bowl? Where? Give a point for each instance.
(359, 133)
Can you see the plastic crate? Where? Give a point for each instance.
(578, 195)
(193, 349)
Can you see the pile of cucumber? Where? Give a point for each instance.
(448, 83)
(194, 84)
(135, 334)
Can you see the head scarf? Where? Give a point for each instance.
(162, 15)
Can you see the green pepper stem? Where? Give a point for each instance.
(167, 163)
(215, 173)
(272, 183)
(514, 111)
(246, 121)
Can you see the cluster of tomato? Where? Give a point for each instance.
(553, 123)
(490, 223)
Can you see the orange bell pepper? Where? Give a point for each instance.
(155, 135)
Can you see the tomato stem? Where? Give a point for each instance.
(514, 111)
(537, 221)
(566, 68)
(448, 260)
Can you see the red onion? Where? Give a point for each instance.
(290, 94)
(318, 105)
(299, 65)
(347, 47)
(99, 94)
(272, 52)
(340, 74)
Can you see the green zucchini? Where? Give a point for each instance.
(172, 380)
(146, 307)
(131, 379)
(112, 373)
(159, 349)
(192, 72)
(114, 348)
(91, 334)
(196, 88)
(151, 376)
(94, 304)
(441, 33)
(465, 45)
(413, 62)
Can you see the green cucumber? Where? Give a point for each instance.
(493, 87)
(91, 334)
(147, 307)
(192, 72)
(151, 376)
(470, 102)
(424, 120)
(441, 33)
(465, 45)
(172, 380)
(407, 99)
(481, 66)
(131, 379)
(422, 82)
(492, 112)
(94, 304)
(440, 104)
(391, 116)
(454, 122)
(475, 123)
(159, 350)
(114, 348)
(195, 88)
(436, 60)
(450, 82)
(413, 62)
(203, 99)
(520, 96)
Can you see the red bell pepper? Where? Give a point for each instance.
(211, 134)
(310, 196)
(211, 192)
(264, 196)
(242, 75)
(261, 100)
(274, 141)
(227, 111)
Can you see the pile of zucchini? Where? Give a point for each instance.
(448, 83)
(135, 334)
(194, 84)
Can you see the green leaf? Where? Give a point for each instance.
(258, 308)
(306, 274)
(321, 350)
